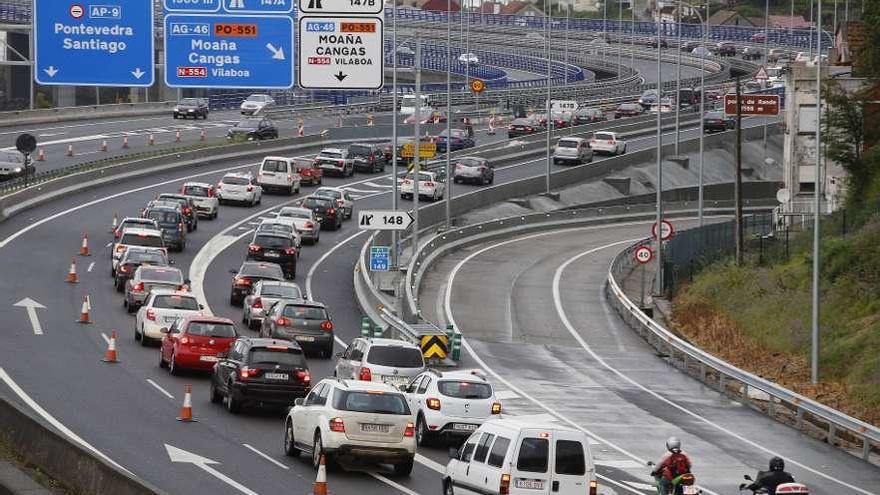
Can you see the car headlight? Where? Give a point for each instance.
(176, 109)
(18, 170)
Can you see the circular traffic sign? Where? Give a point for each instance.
(477, 85)
(666, 230)
(76, 11)
(644, 254)
(26, 143)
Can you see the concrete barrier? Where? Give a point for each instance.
(48, 115)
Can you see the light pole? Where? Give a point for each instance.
(659, 159)
(395, 239)
(817, 203)
(677, 98)
(604, 29)
(448, 206)
(619, 30)
(766, 54)
(549, 9)
(417, 146)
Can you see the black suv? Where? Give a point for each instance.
(191, 107)
(250, 273)
(187, 206)
(172, 223)
(254, 129)
(325, 210)
(369, 157)
(132, 258)
(303, 321)
(274, 247)
(265, 372)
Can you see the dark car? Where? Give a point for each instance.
(191, 107)
(187, 206)
(458, 139)
(325, 210)
(132, 258)
(473, 169)
(367, 156)
(652, 42)
(250, 273)
(253, 128)
(717, 122)
(725, 49)
(172, 223)
(524, 126)
(587, 115)
(303, 321)
(264, 372)
(752, 53)
(274, 247)
(648, 98)
(628, 110)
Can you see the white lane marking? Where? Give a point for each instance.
(265, 456)
(557, 302)
(430, 463)
(380, 186)
(51, 419)
(49, 134)
(91, 124)
(323, 257)
(393, 484)
(109, 244)
(68, 140)
(91, 265)
(363, 191)
(106, 338)
(203, 259)
(179, 455)
(160, 389)
(640, 486)
(620, 464)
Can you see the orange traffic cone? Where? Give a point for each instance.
(115, 223)
(104, 145)
(321, 479)
(84, 249)
(84, 313)
(202, 135)
(177, 137)
(152, 140)
(69, 150)
(41, 155)
(71, 275)
(186, 412)
(125, 142)
(110, 355)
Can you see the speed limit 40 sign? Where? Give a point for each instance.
(644, 254)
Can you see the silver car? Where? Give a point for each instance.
(147, 278)
(390, 361)
(264, 294)
(304, 219)
(572, 150)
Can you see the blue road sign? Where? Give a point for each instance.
(228, 51)
(379, 258)
(258, 6)
(93, 42)
(192, 5)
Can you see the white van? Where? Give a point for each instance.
(278, 173)
(508, 456)
(408, 105)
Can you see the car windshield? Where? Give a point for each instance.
(141, 240)
(189, 101)
(272, 241)
(422, 177)
(176, 302)
(328, 193)
(249, 123)
(257, 98)
(263, 270)
(289, 357)
(329, 154)
(274, 166)
(295, 213)
(470, 162)
(714, 115)
(567, 143)
(465, 389)
(282, 291)
(163, 217)
(145, 257)
(164, 275)
(174, 199)
(136, 222)
(317, 203)
(359, 150)
(370, 402)
(299, 312)
(275, 227)
(396, 356)
(211, 329)
(199, 191)
(603, 136)
(235, 181)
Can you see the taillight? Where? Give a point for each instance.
(304, 376)
(242, 281)
(594, 487)
(139, 287)
(504, 488)
(429, 184)
(246, 373)
(182, 189)
(365, 374)
(309, 225)
(258, 303)
(187, 211)
(331, 211)
(326, 326)
(120, 248)
(282, 321)
(211, 192)
(253, 248)
(250, 188)
(124, 269)
(410, 430)
(433, 404)
(496, 408)
(151, 315)
(337, 425)
(290, 251)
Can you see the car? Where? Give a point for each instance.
(134, 222)
(191, 107)
(468, 58)
(652, 42)
(473, 169)
(274, 247)
(195, 343)
(163, 308)
(802, 57)
(310, 173)
(751, 53)
(336, 161)
(172, 223)
(665, 106)
(343, 199)
(263, 295)
(147, 278)
(426, 116)
(325, 210)
(256, 103)
(253, 129)
(367, 157)
(758, 37)
(341, 419)
(725, 49)
(278, 174)
(588, 115)
(608, 143)
(135, 236)
(522, 457)
(204, 197)
(524, 126)
(628, 110)
(648, 98)
(12, 165)
(239, 187)
(702, 52)
(689, 46)
(458, 139)
(775, 54)
(717, 121)
(303, 321)
(572, 150)
(250, 273)
(304, 219)
(451, 404)
(281, 225)
(264, 372)
(432, 186)
(132, 258)
(562, 120)
(390, 361)
(187, 206)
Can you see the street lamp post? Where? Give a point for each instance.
(448, 206)
(395, 239)
(549, 18)
(677, 84)
(817, 203)
(659, 159)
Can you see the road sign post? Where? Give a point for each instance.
(384, 220)
(643, 255)
(93, 43)
(667, 231)
(380, 258)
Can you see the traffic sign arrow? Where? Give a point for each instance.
(137, 73)
(340, 76)
(31, 306)
(384, 220)
(203, 463)
(51, 71)
(277, 53)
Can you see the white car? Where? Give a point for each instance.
(335, 160)
(263, 295)
(572, 150)
(239, 188)
(450, 404)
(162, 309)
(256, 103)
(802, 57)
(468, 58)
(306, 224)
(342, 419)
(391, 361)
(431, 186)
(135, 236)
(608, 143)
(279, 173)
(343, 199)
(204, 197)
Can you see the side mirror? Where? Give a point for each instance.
(201, 306)
(163, 330)
(453, 453)
(187, 281)
(298, 401)
(233, 271)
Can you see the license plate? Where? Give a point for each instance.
(373, 428)
(529, 484)
(395, 380)
(277, 376)
(690, 490)
(270, 254)
(210, 359)
(464, 427)
(305, 338)
(171, 319)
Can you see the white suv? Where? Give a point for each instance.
(240, 188)
(335, 160)
(392, 361)
(204, 197)
(342, 419)
(280, 174)
(451, 404)
(163, 308)
(431, 186)
(608, 143)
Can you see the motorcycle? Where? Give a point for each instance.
(684, 484)
(783, 489)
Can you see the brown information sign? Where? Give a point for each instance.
(765, 105)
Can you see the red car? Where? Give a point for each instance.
(310, 173)
(195, 342)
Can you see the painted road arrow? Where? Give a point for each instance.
(31, 306)
(340, 76)
(203, 463)
(277, 53)
(51, 71)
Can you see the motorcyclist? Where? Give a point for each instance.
(672, 465)
(769, 480)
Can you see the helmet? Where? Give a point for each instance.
(777, 464)
(673, 444)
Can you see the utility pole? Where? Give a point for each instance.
(817, 204)
(659, 159)
(677, 100)
(449, 182)
(417, 66)
(766, 53)
(737, 180)
(705, 31)
(395, 238)
(548, 18)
